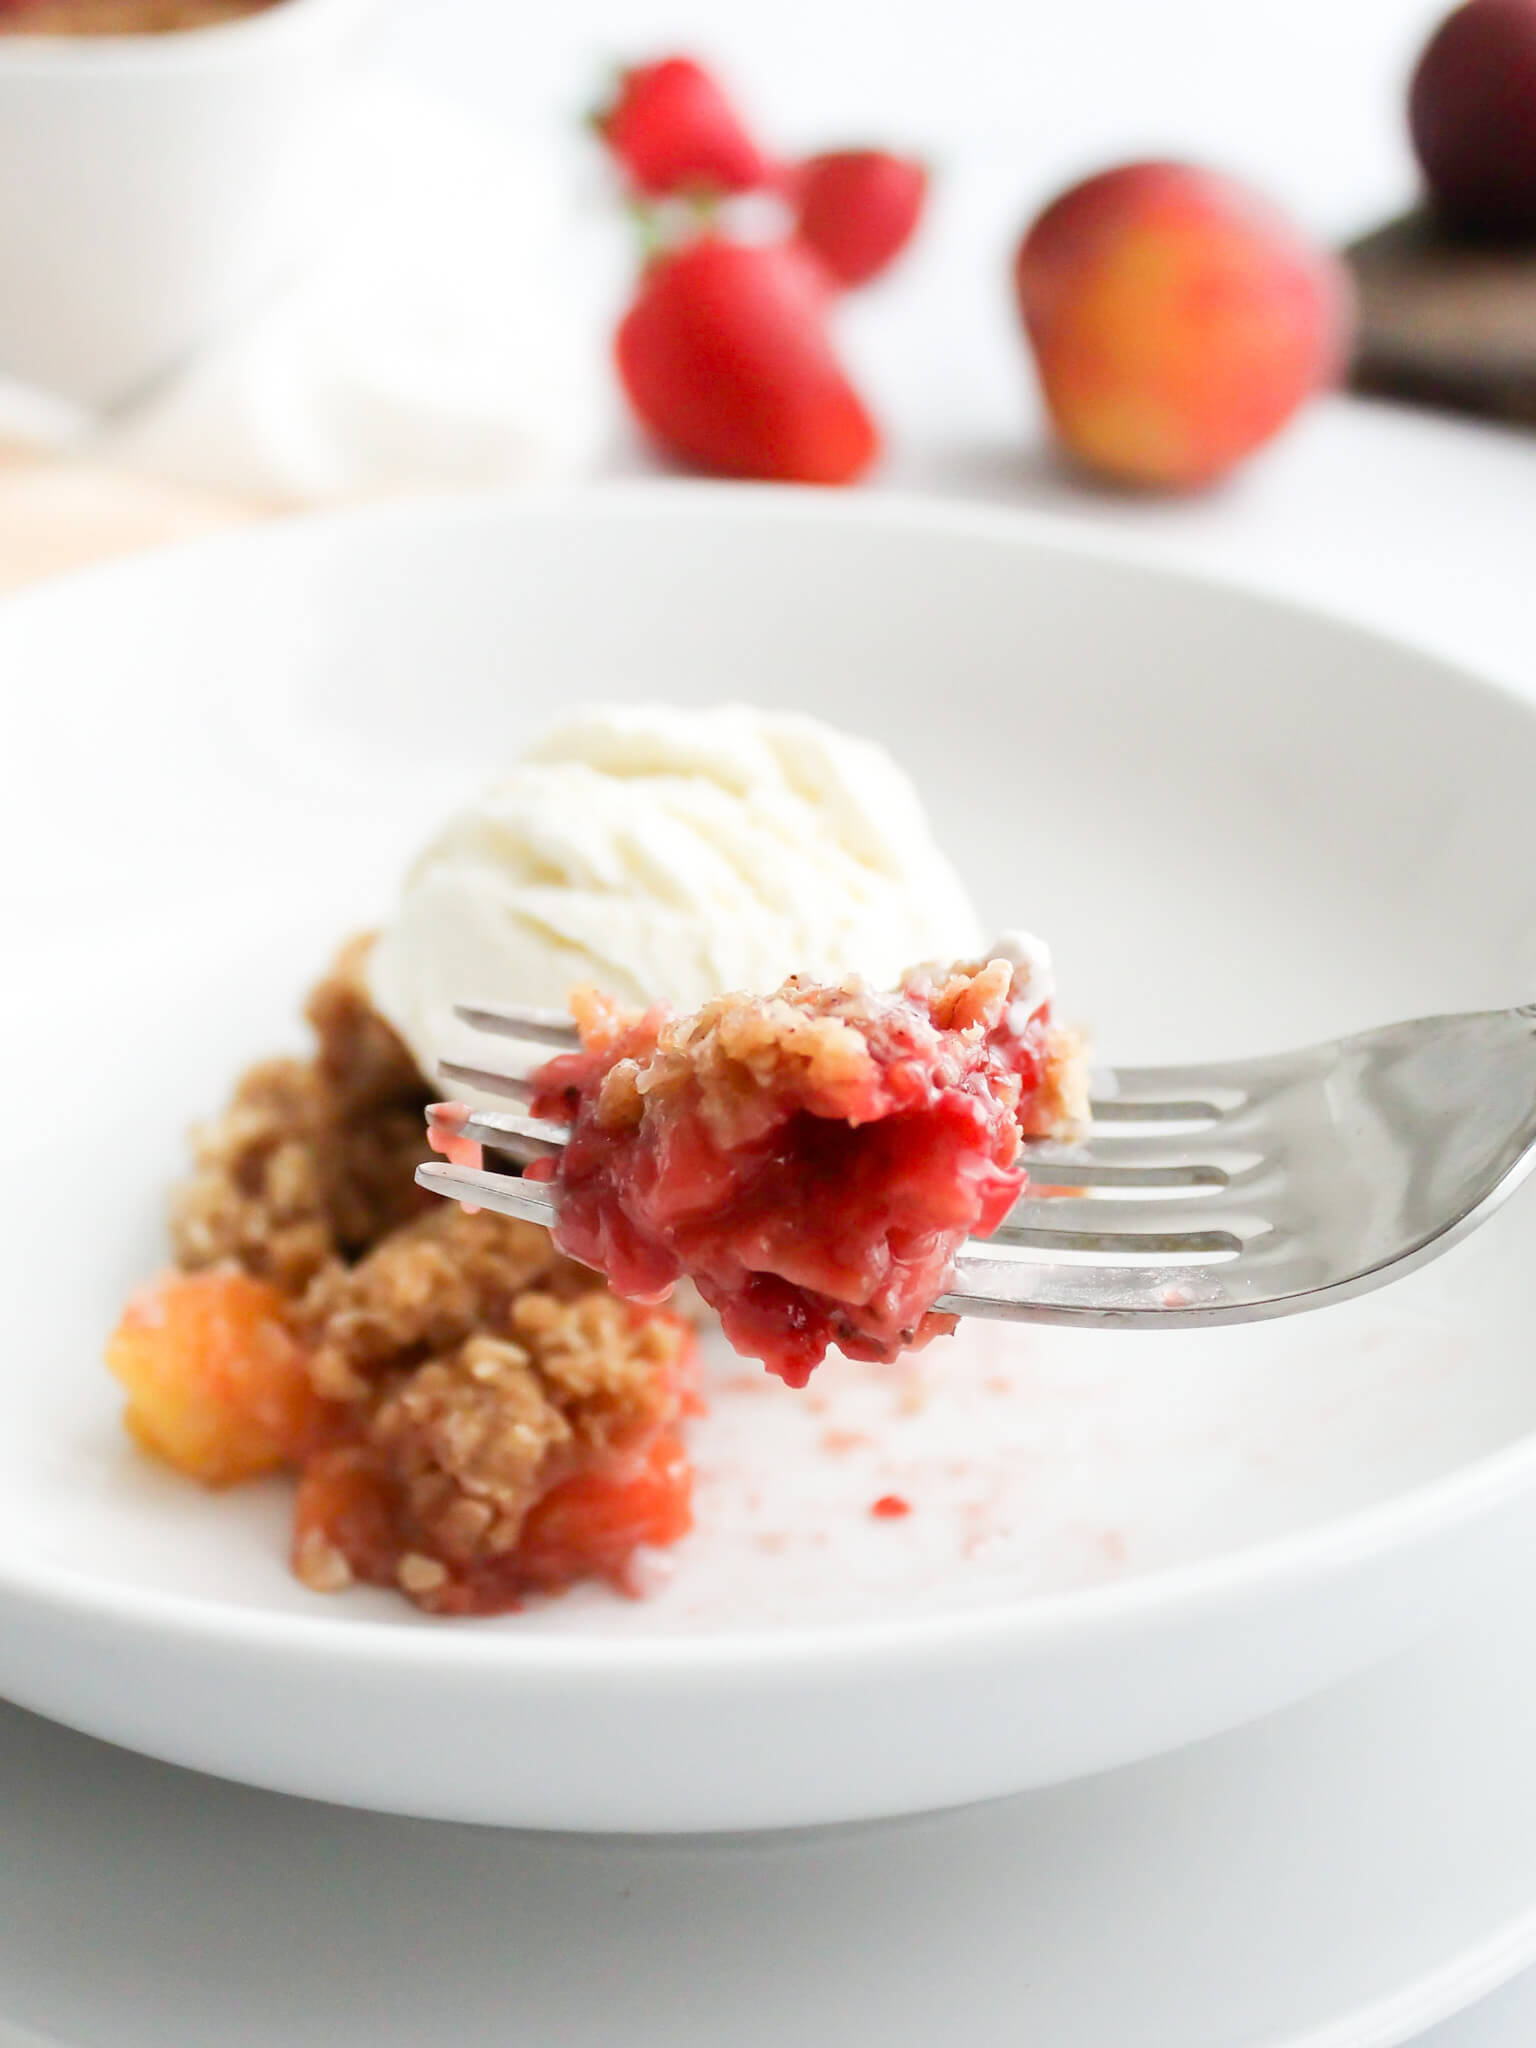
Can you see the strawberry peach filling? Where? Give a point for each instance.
(812, 1160)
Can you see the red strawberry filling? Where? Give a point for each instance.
(812, 1160)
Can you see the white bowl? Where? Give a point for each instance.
(152, 186)
(1244, 826)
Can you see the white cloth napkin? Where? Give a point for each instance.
(429, 340)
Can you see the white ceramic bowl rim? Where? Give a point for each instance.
(1402, 1523)
(215, 46)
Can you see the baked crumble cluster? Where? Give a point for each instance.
(812, 1160)
(472, 1415)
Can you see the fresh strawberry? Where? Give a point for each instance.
(727, 359)
(674, 131)
(858, 209)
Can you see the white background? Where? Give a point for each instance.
(1302, 95)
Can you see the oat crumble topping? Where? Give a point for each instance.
(453, 1384)
(313, 1160)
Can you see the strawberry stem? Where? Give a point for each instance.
(650, 239)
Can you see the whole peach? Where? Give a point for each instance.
(1177, 321)
(1472, 113)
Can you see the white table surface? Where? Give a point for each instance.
(1507, 2020)
(1418, 524)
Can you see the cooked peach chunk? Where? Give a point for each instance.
(589, 1525)
(216, 1380)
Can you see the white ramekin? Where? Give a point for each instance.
(152, 186)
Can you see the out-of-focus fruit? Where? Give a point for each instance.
(216, 1381)
(1177, 321)
(727, 360)
(1472, 114)
(673, 129)
(858, 209)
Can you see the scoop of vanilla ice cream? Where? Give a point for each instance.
(670, 855)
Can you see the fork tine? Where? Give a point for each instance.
(1114, 1109)
(492, 1079)
(1093, 1173)
(1127, 1297)
(1152, 1084)
(1113, 1243)
(509, 1020)
(504, 1192)
(1227, 1084)
(527, 1137)
(1117, 1228)
(1142, 1150)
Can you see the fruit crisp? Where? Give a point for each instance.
(472, 1415)
(812, 1160)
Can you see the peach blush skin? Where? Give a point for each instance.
(1177, 321)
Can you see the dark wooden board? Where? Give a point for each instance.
(1446, 323)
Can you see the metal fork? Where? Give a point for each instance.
(1211, 1194)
